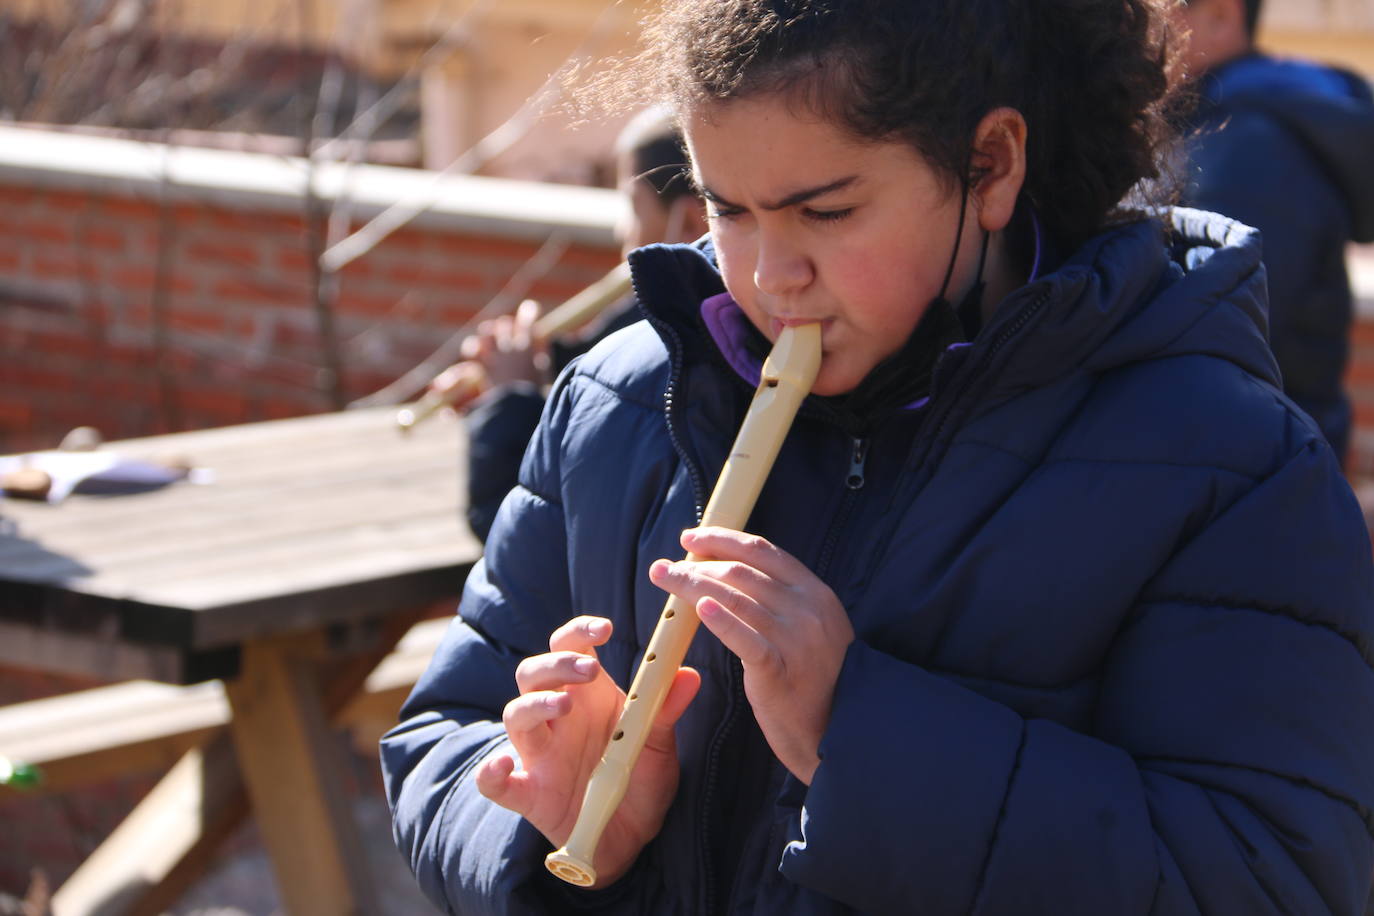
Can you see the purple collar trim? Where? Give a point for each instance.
(729, 328)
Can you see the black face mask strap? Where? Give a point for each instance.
(958, 238)
(982, 259)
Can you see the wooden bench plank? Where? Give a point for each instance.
(141, 726)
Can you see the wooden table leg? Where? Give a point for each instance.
(289, 760)
(142, 868)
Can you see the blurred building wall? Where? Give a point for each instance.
(98, 238)
(1337, 31)
(476, 62)
(482, 59)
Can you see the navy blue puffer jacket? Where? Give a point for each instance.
(1112, 597)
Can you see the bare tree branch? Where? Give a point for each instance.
(324, 283)
(161, 307)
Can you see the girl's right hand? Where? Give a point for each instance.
(559, 726)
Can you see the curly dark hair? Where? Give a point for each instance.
(1091, 78)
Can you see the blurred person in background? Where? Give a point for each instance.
(1286, 146)
(660, 206)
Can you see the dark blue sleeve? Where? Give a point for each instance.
(499, 427)
(1227, 769)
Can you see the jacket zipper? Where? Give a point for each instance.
(854, 479)
(735, 699)
(735, 691)
(706, 870)
(857, 457)
(853, 482)
(699, 493)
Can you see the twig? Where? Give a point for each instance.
(161, 307)
(324, 283)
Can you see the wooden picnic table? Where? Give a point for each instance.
(317, 545)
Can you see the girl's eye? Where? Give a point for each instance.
(828, 216)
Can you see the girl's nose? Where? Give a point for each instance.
(781, 269)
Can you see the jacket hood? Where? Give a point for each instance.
(1130, 294)
(1330, 110)
(1140, 293)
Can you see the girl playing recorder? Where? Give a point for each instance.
(1053, 603)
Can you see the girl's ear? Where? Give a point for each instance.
(999, 166)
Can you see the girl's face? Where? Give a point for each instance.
(811, 225)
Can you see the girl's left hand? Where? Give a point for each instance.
(786, 625)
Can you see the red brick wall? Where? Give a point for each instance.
(1359, 381)
(79, 277)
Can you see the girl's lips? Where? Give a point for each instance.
(777, 324)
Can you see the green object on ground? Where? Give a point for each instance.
(19, 775)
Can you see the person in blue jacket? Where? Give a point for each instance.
(1053, 603)
(660, 206)
(1286, 146)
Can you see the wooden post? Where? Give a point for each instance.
(290, 763)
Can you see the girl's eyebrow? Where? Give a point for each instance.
(790, 200)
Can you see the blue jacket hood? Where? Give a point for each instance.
(1330, 110)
